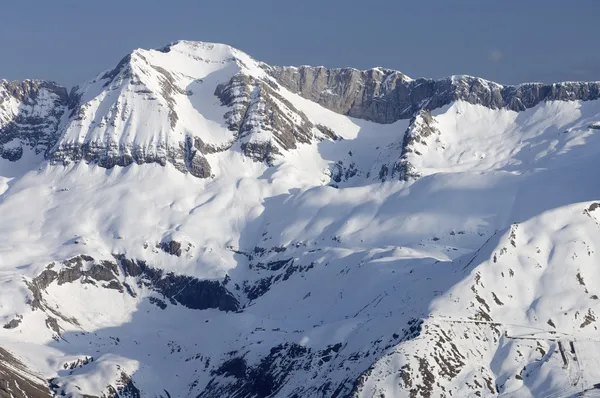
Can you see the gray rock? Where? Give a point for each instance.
(17, 381)
(421, 126)
(183, 155)
(130, 267)
(14, 323)
(186, 158)
(52, 324)
(188, 291)
(171, 247)
(363, 94)
(196, 163)
(124, 388)
(40, 106)
(256, 107)
(260, 151)
(71, 271)
(385, 96)
(38, 285)
(115, 285)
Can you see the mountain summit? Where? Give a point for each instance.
(196, 223)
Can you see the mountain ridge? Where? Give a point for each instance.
(195, 223)
(377, 94)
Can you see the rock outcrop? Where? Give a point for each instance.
(30, 112)
(188, 291)
(139, 111)
(421, 126)
(385, 96)
(96, 135)
(264, 122)
(16, 381)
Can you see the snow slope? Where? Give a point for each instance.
(307, 274)
(125, 104)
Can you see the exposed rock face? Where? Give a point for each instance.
(188, 291)
(421, 126)
(171, 247)
(17, 381)
(134, 79)
(124, 388)
(265, 123)
(30, 112)
(235, 378)
(385, 96)
(362, 94)
(185, 158)
(13, 323)
(270, 272)
(81, 362)
(195, 162)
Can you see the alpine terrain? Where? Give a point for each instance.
(196, 223)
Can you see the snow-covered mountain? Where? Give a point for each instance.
(195, 223)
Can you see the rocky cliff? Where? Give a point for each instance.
(442, 241)
(264, 122)
(30, 112)
(385, 96)
(150, 107)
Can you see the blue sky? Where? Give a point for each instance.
(508, 41)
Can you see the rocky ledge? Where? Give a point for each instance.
(125, 276)
(186, 157)
(385, 96)
(30, 112)
(264, 122)
(16, 381)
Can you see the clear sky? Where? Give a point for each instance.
(509, 41)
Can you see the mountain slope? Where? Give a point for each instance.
(160, 106)
(30, 112)
(200, 224)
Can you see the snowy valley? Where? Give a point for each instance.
(196, 223)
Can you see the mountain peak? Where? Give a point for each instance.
(288, 232)
(212, 50)
(210, 53)
(191, 99)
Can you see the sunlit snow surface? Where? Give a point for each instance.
(501, 223)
